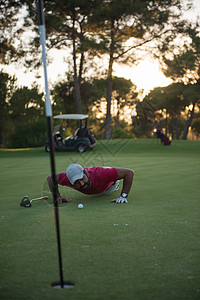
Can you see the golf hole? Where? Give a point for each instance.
(66, 285)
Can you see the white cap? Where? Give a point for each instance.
(74, 172)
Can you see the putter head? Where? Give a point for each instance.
(25, 202)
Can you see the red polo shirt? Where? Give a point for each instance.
(102, 178)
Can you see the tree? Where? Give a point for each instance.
(175, 103)
(99, 27)
(123, 96)
(182, 64)
(143, 122)
(26, 115)
(66, 28)
(162, 105)
(26, 104)
(26, 110)
(21, 114)
(117, 21)
(124, 92)
(196, 125)
(63, 98)
(9, 31)
(192, 93)
(7, 87)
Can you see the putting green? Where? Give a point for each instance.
(146, 249)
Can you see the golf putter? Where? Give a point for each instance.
(27, 203)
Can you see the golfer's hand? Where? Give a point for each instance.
(62, 200)
(120, 200)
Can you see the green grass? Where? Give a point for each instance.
(147, 249)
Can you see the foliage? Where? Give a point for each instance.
(25, 104)
(92, 91)
(165, 107)
(124, 93)
(26, 110)
(7, 87)
(30, 134)
(182, 63)
(98, 89)
(102, 29)
(196, 124)
(10, 31)
(116, 22)
(120, 133)
(62, 95)
(67, 27)
(142, 125)
(179, 66)
(22, 114)
(98, 28)
(23, 109)
(177, 124)
(191, 93)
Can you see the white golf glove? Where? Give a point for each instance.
(120, 200)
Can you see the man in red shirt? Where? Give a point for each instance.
(95, 180)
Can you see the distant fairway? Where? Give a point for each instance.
(147, 249)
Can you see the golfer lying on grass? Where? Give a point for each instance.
(95, 180)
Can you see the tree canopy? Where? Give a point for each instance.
(183, 65)
(113, 31)
(95, 28)
(21, 113)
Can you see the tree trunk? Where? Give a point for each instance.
(81, 68)
(172, 125)
(77, 95)
(178, 124)
(188, 123)
(117, 116)
(166, 129)
(109, 86)
(108, 113)
(3, 140)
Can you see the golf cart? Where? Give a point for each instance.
(81, 141)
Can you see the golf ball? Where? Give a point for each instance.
(80, 205)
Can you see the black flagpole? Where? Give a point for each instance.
(48, 111)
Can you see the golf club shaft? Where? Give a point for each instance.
(40, 198)
(48, 111)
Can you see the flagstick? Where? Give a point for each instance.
(48, 110)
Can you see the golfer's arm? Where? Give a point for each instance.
(127, 176)
(50, 183)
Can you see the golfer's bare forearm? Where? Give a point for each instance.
(127, 182)
(127, 176)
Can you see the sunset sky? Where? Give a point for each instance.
(146, 74)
